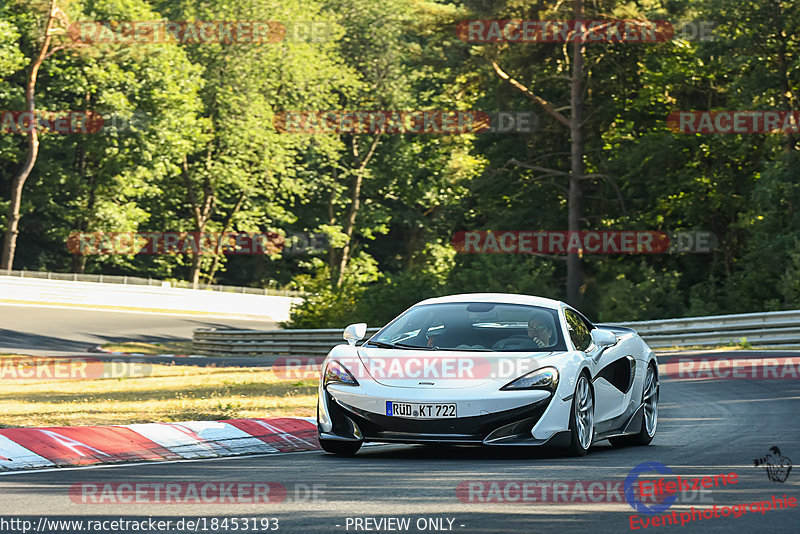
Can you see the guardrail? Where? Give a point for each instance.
(316, 342)
(759, 329)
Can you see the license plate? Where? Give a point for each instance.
(421, 411)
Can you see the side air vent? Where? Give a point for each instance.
(619, 373)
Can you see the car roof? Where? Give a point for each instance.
(502, 298)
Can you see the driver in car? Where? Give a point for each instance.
(538, 336)
(539, 333)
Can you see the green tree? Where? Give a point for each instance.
(244, 175)
(53, 15)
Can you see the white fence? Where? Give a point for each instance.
(159, 299)
(138, 281)
(759, 329)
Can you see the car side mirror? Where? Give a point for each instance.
(354, 332)
(603, 338)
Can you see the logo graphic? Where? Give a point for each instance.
(777, 466)
(630, 484)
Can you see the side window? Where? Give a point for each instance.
(578, 331)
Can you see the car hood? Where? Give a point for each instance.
(446, 368)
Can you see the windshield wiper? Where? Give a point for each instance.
(384, 345)
(466, 349)
(381, 344)
(406, 345)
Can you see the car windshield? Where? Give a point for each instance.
(474, 326)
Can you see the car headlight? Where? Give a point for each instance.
(544, 378)
(336, 373)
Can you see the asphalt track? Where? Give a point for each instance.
(707, 427)
(53, 331)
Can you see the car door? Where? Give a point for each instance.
(612, 371)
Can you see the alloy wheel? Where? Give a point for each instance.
(584, 413)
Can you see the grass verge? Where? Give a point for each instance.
(167, 393)
(175, 347)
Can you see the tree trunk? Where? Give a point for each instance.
(574, 274)
(786, 96)
(575, 125)
(195, 273)
(349, 227)
(332, 263)
(10, 239)
(225, 228)
(200, 212)
(355, 204)
(413, 239)
(79, 260)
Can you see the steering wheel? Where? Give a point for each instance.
(520, 342)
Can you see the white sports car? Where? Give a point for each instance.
(489, 369)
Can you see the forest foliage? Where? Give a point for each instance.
(189, 144)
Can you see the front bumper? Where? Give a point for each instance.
(507, 427)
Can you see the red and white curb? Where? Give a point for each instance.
(32, 448)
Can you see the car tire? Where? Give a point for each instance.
(341, 448)
(581, 418)
(650, 418)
